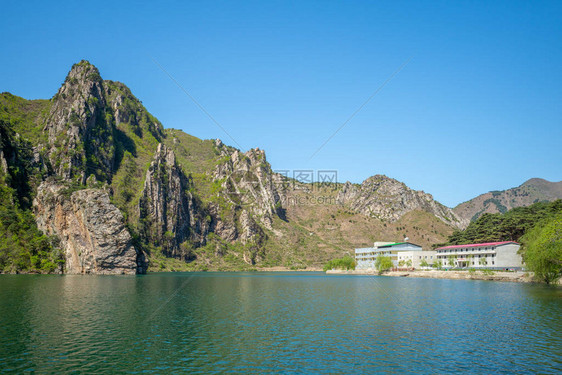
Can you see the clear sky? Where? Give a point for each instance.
(477, 108)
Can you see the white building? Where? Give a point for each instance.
(415, 258)
(492, 255)
(365, 257)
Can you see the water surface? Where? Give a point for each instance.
(276, 322)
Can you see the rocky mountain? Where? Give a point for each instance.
(91, 182)
(169, 212)
(531, 191)
(385, 198)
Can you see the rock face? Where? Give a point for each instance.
(80, 128)
(532, 191)
(249, 186)
(248, 181)
(91, 230)
(82, 124)
(170, 213)
(85, 147)
(388, 199)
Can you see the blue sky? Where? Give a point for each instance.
(477, 108)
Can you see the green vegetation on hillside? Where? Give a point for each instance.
(23, 248)
(25, 117)
(136, 137)
(542, 249)
(510, 226)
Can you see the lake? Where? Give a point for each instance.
(276, 322)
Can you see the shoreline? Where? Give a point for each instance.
(257, 269)
(517, 276)
(288, 269)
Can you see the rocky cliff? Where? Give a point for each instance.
(168, 210)
(84, 137)
(80, 127)
(248, 199)
(248, 181)
(531, 191)
(385, 198)
(91, 230)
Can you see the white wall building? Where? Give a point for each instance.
(416, 258)
(492, 255)
(365, 257)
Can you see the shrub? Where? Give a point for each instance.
(345, 263)
(383, 263)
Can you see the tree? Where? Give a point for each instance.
(402, 263)
(345, 263)
(482, 261)
(383, 263)
(409, 263)
(509, 226)
(424, 263)
(451, 261)
(542, 249)
(469, 260)
(438, 264)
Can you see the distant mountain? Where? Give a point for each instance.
(532, 191)
(388, 199)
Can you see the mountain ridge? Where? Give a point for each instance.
(531, 191)
(185, 203)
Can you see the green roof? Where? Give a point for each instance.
(392, 244)
(398, 243)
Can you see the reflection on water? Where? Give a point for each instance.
(283, 322)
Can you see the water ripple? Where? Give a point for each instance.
(279, 323)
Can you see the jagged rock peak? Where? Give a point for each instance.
(83, 121)
(249, 181)
(84, 71)
(83, 78)
(171, 213)
(389, 199)
(79, 127)
(164, 154)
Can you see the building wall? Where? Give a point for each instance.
(492, 257)
(508, 257)
(365, 257)
(416, 257)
